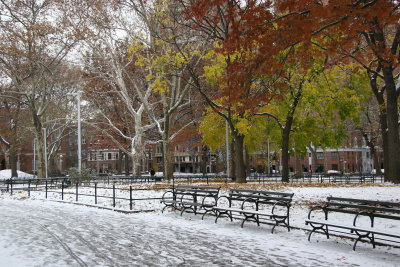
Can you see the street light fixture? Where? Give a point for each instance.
(78, 97)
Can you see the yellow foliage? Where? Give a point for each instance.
(160, 86)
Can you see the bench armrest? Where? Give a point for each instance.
(186, 196)
(364, 213)
(316, 208)
(169, 194)
(223, 197)
(281, 203)
(209, 196)
(248, 200)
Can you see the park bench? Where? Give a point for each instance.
(196, 199)
(355, 218)
(257, 206)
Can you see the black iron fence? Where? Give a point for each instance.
(9, 184)
(319, 178)
(63, 187)
(120, 189)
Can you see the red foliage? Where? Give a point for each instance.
(304, 29)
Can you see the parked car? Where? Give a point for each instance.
(374, 171)
(333, 172)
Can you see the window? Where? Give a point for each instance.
(183, 159)
(159, 159)
(334, 155)
(116, 155)
(159, 149)
(320, 155)
(109, 155)
(176, 159)
(176, 148)
(84, 141)
(196, 149)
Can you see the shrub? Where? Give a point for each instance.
(77, 177)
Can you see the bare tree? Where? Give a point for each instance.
(36, 40)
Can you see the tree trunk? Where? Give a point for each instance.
(247, 161)
(393, 159)
(119, 162)
(383, 127)
(37, 124)
(299, 167)
(204, 159)
(239, 167)
(136, 164)
(325, 163)
(232, 160)
(371, 145)
(137, 146)
(13, 162)
(53, 167)
(126, 159)
(168, 164)
(286, 134)
(314, 162)
(375, 158)
(285, 154)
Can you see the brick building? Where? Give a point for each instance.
(354, 156)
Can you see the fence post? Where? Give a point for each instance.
(76, 192)
(62, 190)
(95, 193)
(29, 187)
(173, 188)
(11, 185)
(130, 197)
(46, 188)
(114, 194)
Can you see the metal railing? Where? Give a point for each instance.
(62, 187)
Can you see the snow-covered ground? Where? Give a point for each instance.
(38, 232)
(6, 174)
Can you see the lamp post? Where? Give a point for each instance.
(269, 162)
(78, 97)
(45, 149)
(34, 158)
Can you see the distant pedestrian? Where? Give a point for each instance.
(152, 172)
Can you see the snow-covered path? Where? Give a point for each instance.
(44, 233)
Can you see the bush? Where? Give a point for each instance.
(77, 177)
